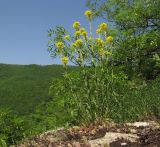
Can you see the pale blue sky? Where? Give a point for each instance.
(24, 25)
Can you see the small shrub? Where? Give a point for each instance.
(12, 128)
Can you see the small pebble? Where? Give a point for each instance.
(123, 144)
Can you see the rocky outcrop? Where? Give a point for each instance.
(113, 138)
(138, 134)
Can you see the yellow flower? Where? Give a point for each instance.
(101, 52)
(67, 37)
(98, 31)
(76, 25)
(78, 43)
(82, 30)
(65, 60)
(84, 34)
(77, 33)
(103, 26)
(60, 45)
(88, 14)
(109, 39)
(108, 53)
(100, 42)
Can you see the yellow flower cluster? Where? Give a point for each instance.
(84, 34)
(77, 33)
(109, 39)
(88, 14)
(102, 27)
(100, 42)
(60, 45)
(67, 37)
(78, 43)
(65, 60)
(76, 25)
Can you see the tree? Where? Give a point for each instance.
(138, 37)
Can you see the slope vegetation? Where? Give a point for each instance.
(23, 87)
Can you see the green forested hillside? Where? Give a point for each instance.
(23, 87)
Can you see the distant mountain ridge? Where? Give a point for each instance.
(22, 87)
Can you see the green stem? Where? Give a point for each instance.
(90, 27)
(112, 70)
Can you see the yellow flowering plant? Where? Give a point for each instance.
(86, 51)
